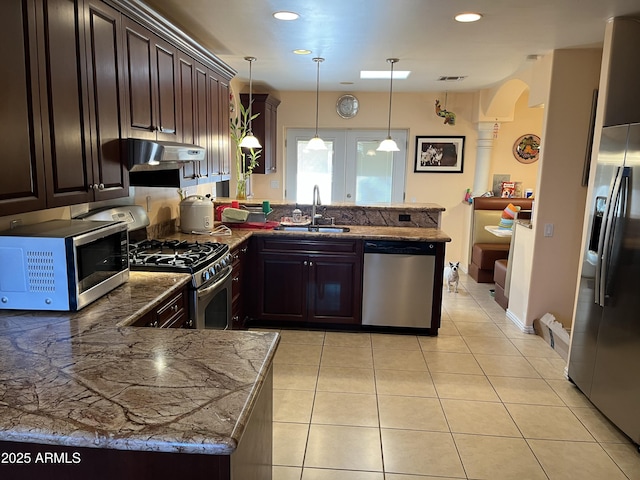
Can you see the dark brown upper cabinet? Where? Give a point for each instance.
(80, 77)
(107, 100)
(224, 132)
(22, 183)
(152, 72)
(204, 97)
(264, 127)
(65, 92)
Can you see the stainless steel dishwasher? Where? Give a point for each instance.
(398, 282)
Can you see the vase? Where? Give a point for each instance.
(241, 189)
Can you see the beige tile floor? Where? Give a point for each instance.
(480, 401)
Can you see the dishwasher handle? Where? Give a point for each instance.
(399, 247)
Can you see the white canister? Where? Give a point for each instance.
(196, 214)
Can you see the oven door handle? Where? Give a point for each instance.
(215, 286)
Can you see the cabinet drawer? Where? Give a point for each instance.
(171, 309)
(309, 246)
(171, 313)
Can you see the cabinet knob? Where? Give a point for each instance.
(236, 279)
(305, 263)
(244, 250)
(101, 186)
(311, 264)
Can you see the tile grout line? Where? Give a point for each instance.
(313, 404)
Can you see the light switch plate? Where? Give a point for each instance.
(548, 229)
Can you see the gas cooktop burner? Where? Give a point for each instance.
(174, 255)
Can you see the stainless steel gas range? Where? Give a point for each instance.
(209, 264)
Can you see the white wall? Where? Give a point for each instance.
(560, 196)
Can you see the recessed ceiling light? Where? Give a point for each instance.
(467, 17)
(286, 15)
(384, 75)
(302, 51)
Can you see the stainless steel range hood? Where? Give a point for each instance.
(145, 155)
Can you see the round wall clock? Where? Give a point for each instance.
(347, 106)
(527, 148)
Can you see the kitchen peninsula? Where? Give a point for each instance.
(84, 396)
(345, 271)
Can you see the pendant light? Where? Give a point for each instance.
(388, 144)
(316, 143)
(249, 141)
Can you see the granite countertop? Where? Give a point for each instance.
(239, 235)
(82, 379)
(371, 233)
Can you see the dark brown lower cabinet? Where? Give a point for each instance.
(310, 281)
(172, 313)
(239, 284)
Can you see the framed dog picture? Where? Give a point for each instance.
(439, 154)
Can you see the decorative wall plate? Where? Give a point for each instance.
(347, 106)
(527, 148)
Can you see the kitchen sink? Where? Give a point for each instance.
(312, 228)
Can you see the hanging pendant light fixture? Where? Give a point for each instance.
(316, 143)
(249, 141)
(388, 144)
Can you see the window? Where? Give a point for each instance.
(351, 170)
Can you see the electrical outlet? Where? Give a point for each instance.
(548, 229)
(404, 217)
(14, 223)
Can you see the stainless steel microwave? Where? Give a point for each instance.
(62, 264)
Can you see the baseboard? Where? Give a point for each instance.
(519, 323)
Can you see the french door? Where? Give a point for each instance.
(351, 170)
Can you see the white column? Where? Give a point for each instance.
(481, 181)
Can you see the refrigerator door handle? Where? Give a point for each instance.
(602, 239)
(621, 175)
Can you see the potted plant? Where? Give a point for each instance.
(246, 158)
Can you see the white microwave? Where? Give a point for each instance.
(62, 264)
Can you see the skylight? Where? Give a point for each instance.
(384, 75)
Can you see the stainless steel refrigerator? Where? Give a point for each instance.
(605, 349)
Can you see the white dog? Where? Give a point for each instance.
(451, 276)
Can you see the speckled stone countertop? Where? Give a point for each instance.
(239, 235)
(372, 233)
(83, 379)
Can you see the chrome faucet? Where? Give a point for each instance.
(316, 202)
